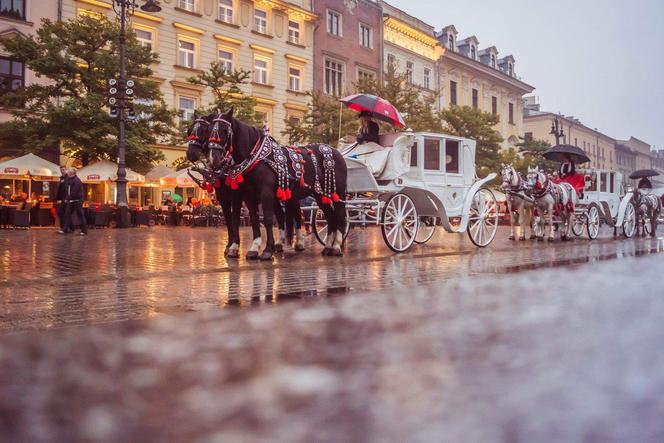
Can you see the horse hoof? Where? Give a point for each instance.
(511, 237)
(550, 239)
(299, 247)
(533, 237)
(325, 251)
(226, 251)
(265, 256)
(522, 238)
(252, 255)
(540, 238)
(335, 252)
(233, 253)
(279, 248)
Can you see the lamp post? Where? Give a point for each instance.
(123, 9)
(557, 130)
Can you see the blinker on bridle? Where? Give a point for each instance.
(215, 137)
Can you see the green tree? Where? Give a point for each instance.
(227, 89)
(468, 122)
(77, 57)
(532, 150)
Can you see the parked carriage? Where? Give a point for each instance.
(414, 182)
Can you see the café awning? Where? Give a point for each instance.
(158, 172)
(21, 168)
(180, 179)
(105, 170)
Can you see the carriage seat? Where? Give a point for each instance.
(386, 161)
(578, 182)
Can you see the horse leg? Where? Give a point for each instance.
(328, 212)
(522, 220)
(252, 253)
(296, 214)
(511, 213)
(226, 208)
(281, 222)
(268, 203)
(552, 231)
(339, 215)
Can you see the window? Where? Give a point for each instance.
(226, 60)
(576, 142)
(293, 32)
(365, 75)
(260, 21)
(453, 92)
(13, 9)
(510, 69)
(494, 105)
(427, 78)
(450, 41)
(493, 61)
(261, 67)
(413, 155)
(528, 136)
(264, 115)
(604, 177)
(186, 53)
(452, 156)
(511, 113)
(187, 106)
(476, 98)
(12, 75)
(144, 37)
(409, 72)
(391, 60)
(334, 23)
(334, 72)
(472, 52)
(226, 11)
(187, 5)
(366, 36)
(432, 154)
(294, 79)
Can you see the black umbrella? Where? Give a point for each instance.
(560, 153)
(643, 173)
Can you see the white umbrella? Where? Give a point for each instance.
(29, 164)
(158, 172)
(180, 179)
(105, 170)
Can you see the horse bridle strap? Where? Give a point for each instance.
(214, 138)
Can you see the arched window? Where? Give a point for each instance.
(450, 41)
(472, 52)
(510, 69)
(493, 61)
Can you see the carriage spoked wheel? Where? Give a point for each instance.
(483, 220)
(400, 223)
(593, 222)
(579, 223)
(319, 226)
(426, 230)
(629, 222)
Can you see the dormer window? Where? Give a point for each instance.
(493, 61)
(473, 52)
(510, 69)
(450, 41)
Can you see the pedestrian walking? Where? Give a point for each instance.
(60, 198)
(74, 203)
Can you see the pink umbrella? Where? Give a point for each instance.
(379, 108)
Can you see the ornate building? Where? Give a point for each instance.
(271, 38)
(348, 44)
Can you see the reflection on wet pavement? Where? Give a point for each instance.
(53, 281)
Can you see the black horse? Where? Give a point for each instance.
(230, 200)
(274, 173)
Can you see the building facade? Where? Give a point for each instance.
(598, 146)
(478, 78)
(409, 44)
(271, 38)
(348, 45)
(21, 17)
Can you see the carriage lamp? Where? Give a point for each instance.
(124, 9)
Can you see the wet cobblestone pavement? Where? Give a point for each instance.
(50, 281)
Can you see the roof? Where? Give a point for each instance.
(29, 164)
(158, 172)
(105, 170)
(541, 114)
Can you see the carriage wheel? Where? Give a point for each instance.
(400, 223)
(577, 227)
(483, 221)
(426, 230)
(629, 223)
(593, 222)
(319, 226)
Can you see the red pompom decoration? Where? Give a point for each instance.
(209, 188)
(287, 194)
(302, 184)
(192, 137)
(228, 181)
(240, 179)
(280, 194)
(325, 200)
(335, 197)
(234, 185)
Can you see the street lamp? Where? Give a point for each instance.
(123, 9)
(556, 130)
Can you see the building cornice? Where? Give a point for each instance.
(184, 85)
(225, 39)
(296, 107)
(265, 101)
(292, 10)
(262, 49)
(481, 68)
(550, 115)
(96, 3)
(296, 58)
(145, 16)
(184, 27)
(414, 33)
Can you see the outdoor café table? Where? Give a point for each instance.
(8, 211)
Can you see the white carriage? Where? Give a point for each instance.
(604, 201)
(413, 182)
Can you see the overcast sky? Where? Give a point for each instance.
(599, 60)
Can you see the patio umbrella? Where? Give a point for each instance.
(559, 153)
(177, 198)
(643, 173)
(379, 108)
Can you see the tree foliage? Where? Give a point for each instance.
(77, 58)
(468, 122)
(532, 150)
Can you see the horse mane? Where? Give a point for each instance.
(245, 138)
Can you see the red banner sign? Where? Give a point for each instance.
(11, 170)
(93, 177)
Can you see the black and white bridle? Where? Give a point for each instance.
(214, 138)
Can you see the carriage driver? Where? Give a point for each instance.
(567, 168)
(368, 129)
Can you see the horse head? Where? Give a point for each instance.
(197, 136)
(220, 138)
(535, 178)
(509, 176)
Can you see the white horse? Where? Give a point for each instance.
(519, 205)
(556, 198)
